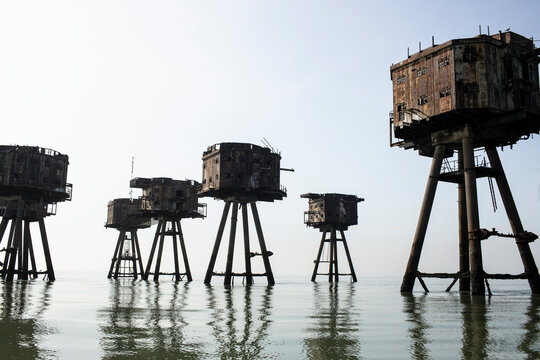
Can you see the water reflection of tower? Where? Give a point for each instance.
(145, 322)
(240, 329)
(334, 324)
(21, 321)
(241, 174)
(32, 182)
(169, 201)
(529, 341)
(475, 330)
(124, 215)
(414, 308)
(331, 213)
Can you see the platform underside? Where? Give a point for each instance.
(245, 196)
(490, 128)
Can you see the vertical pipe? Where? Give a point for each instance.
(230, 252)
(319, 253)
(139, 256)
(184, 252)
(119, 256)
(515, 221)
(175, 252)
(48, 261)
(114, 258)
(266, 261)
(212, 263)
(160, 250)
(153, 250)
(427, 204)
(473, 220)
(348, 254)
(247, 257)
(464, 283)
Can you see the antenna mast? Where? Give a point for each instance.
(132, 166)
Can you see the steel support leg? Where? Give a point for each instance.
(115, 255)
(319, 253)
(247, 256)
(473, 221)
(515, 222)
(213, 257)
(230, 252)
(333, 274)
(139, 256)
(133, 254)
(464, 283)
(16, 244)
(9, 248)
(48, 261)
(184, 252)
(348, 254)
(160, 250)
(26, 251)
(264, 251)
(32, 259)
(175, 252)
(153, 250)
(418, 242)
(119, 255)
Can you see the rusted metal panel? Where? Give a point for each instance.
(169, 197)
(241, 170)
(468, 74)
(125, 213)
(331, 209)
(491, 81)
(37, 172)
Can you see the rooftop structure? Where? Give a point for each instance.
(168, 197)
(488, 81)
(37, 173)
(331, 209)
(233, 170)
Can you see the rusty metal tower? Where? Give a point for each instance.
(125, 216)
(241, 174)
(168, 201)
(32, 182)
(456, 97)
(331, 213)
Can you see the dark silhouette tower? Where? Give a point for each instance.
(456, 97)
(331, 213)
(32, 182)
(125, 216)
(241, 174)
(168, 201)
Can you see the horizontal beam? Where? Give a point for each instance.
(443, 275)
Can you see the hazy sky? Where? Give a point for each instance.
(102, 81)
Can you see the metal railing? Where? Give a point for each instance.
(449, 166)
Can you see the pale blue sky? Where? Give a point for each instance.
(103, 81)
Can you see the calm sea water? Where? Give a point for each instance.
(94, 318)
